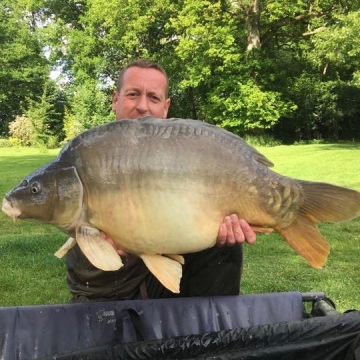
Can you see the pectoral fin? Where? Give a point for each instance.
(262, 230)
(178, 258)
(165, 269)
(98, 251)
(66, 247)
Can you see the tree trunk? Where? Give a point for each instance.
(253, 24)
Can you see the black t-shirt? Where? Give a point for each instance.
(214, 271)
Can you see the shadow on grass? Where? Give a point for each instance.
(336, 146)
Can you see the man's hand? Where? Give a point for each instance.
(235, 231)
(121, 253)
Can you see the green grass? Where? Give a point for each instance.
(30, 274)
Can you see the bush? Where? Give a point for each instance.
(52, 142)
(5, 143)
(22, 131)
(264, 140)
(72, 127)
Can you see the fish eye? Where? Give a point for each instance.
(25, 183)
(35, 188)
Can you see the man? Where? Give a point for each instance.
(142, 90)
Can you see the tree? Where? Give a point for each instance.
(223, 66)
(23, 66)
(89, 106)
(97, 45)
(289, 55)
(326, 91)
(251, 66)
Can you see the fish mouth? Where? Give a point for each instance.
(10, 210)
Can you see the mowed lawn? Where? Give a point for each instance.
(30, 274)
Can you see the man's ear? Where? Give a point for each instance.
(166, 107)
(115, 97)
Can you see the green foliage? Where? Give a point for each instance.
(37, 114)
(89, 106)
(5, 143)
(22, 132)
(205, 39)
(288, 68)
(36, 127)
(326, 91)
(23, 66)
(248, 109)
(72, 126)
(262, 140)
(337, 47)
(40, 114)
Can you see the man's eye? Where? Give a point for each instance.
(154, 98)
(131, 95)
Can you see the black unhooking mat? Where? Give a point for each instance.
(263, 326)
(331, 337)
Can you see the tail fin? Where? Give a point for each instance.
(322, 203)
(329, 203)
(304, 237)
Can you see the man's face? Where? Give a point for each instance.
(143, 93)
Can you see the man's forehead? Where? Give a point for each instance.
(144, 73)
(150, 80)
(149, 75)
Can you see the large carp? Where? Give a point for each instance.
(160, 188)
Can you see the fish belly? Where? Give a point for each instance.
(159, 221)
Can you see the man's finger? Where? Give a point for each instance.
(248, 232)
(221, 239)
(230, 236)
(238, 233)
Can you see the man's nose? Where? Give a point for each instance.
(142, 104)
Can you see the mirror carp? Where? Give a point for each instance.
(160, 188)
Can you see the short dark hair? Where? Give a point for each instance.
(144, 64)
